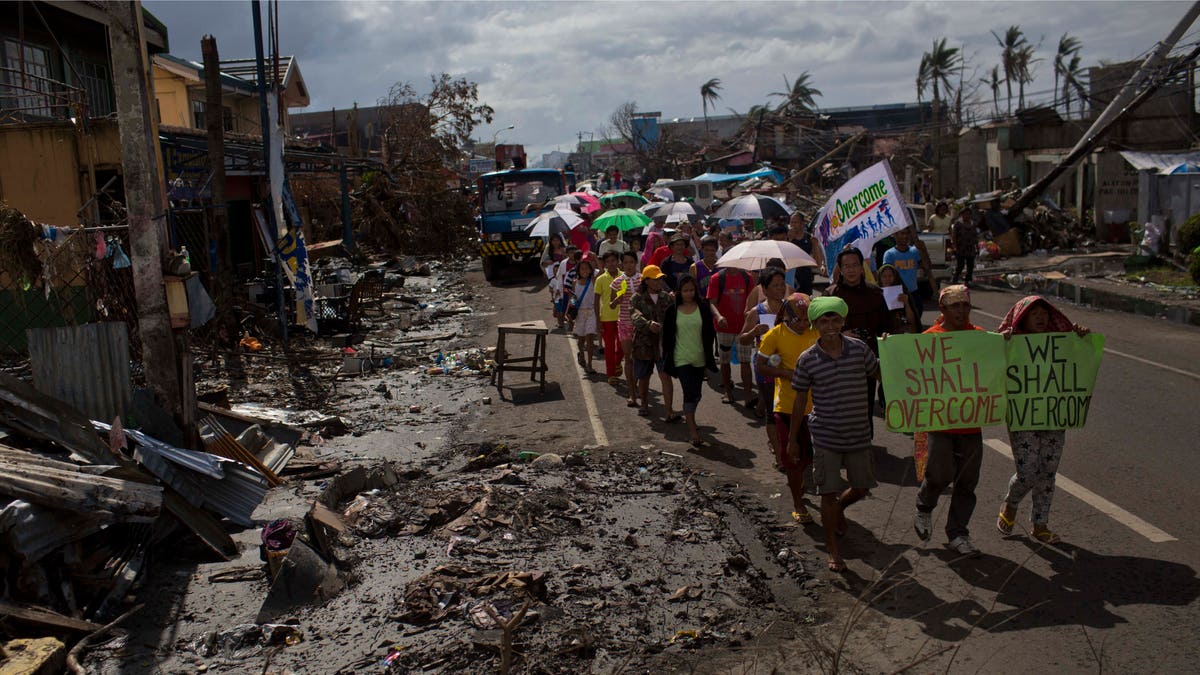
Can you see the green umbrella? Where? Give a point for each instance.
(630, 197)
(624, 219)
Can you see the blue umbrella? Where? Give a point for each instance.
(1185, 167)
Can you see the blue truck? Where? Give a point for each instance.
(503, 197)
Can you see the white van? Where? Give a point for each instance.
(699, 191)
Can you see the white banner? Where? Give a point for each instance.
(867, 208)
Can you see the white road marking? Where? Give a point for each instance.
(589, 401)
(1095, 501)
(1131, 357)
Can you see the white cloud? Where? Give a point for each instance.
(555, 68)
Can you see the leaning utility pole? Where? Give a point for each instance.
(145, 199)
(218, 221)
(1122, 103)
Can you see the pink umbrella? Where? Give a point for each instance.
(585, 202)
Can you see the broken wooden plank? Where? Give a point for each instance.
(207, 528)
(45, 617)
(72, 490)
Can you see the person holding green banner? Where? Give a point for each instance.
(836, 370)
(955, 455)
(1036, 453)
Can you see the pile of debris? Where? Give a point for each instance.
(84, 504)
(420, 221)
(505, 559)
(1051, 228)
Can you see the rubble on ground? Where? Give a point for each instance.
(484, 555)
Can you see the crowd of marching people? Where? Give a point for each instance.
(677, 300)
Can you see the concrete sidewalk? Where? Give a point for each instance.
(1091, 280)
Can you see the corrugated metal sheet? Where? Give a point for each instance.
(87, 366)
(223, 486)
(33, 531)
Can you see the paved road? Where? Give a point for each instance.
(1122, 591)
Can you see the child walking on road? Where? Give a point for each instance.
(778, 353)
(1036, 453)
(584, 306)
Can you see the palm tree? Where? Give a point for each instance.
(1072, 80)
(709, 95)
(798, 95)
(1067, 47)
(922, 77)
(1025, 61)
(937, 65)
(993, 82)
(1011, 45)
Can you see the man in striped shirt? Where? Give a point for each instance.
(835, 370)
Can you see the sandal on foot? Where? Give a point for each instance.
(1046, 536)
(802, 517)
(579, 359)
(643, 412)
(727, 400)
(673, 418)
(837, 566)
(1005, 524)
(631, 403)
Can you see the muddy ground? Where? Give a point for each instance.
(624, 559)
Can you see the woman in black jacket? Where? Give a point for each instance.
(688, 338)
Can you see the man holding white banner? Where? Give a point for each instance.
(865, 209)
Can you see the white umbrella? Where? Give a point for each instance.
(553, 222)
(689, 210)
(666, 230)
(663, 193)
(753, 207)
(753, 255)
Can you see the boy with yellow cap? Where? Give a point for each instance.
(835, 370)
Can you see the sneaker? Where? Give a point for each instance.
(962, 545)
(923, 524)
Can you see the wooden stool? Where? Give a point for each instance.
(536, 363)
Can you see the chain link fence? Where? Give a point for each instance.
(85, 277)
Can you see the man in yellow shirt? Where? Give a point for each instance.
(613, 356)
(787, 341)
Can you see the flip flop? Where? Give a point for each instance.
(1005, 525)
(727, 400)
(673, 418)
(1047, 537)
(631, 404)
(837, 566)
(802, 517)
(643, 412)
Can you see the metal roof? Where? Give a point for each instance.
(1161, 162)
(227, 79)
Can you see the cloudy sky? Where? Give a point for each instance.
(554, 69)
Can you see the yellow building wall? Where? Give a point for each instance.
(43, 167)
(174, 108)
(39, 172)
(175, 95)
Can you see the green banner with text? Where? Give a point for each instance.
(1050, 379)
(939, 381)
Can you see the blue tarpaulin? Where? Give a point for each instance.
(739, 177)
